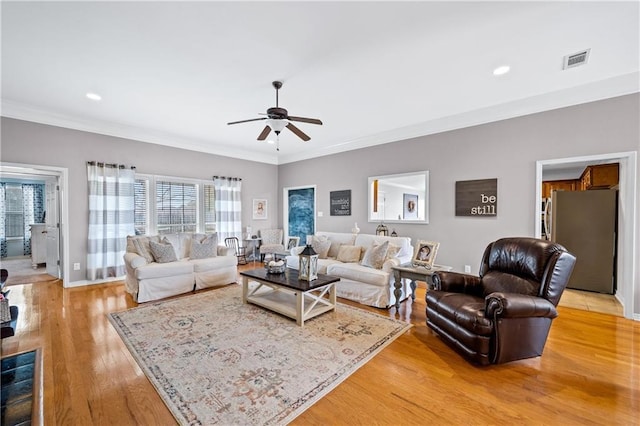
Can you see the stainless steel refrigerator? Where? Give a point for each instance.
(585, 222)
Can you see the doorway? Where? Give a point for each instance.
(54, 231)
(627, 286)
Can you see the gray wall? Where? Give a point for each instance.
(38, 144)
(507, 150)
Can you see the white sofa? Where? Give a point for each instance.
(363, 284)
(149, 280)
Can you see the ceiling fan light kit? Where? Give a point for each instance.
(279, 118)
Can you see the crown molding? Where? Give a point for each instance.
(621, 85)
(12, 109)
(609, 88)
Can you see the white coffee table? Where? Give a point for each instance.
(289, 296)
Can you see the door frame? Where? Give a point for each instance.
(62, 173)
(627, 217)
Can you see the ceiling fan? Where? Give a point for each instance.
(279, 118)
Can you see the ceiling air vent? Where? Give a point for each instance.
(575, 59)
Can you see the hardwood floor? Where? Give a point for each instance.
(588, 375)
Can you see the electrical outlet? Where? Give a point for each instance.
(467, 269)
(320, 214)
(76, 266)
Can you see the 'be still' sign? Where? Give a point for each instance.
(477, 197)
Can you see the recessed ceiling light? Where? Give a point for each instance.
(271, 141)
(94, 96)
(501, 70)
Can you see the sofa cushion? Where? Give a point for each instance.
(337, 239)
(163, 251)
(212, 263)
(161, 270)
(406, 251)
(349, 253)
(203, 248)
(375, 255)
(293, 262)
(321, 245)
(357, 272)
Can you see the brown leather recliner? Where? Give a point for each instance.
(505, 313)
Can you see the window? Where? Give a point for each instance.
(176, 207)
(165, 205)
(209, 208)
(14, 225)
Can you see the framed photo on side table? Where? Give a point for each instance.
(425, 254)
(259, 208)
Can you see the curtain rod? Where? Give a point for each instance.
(120, 166)
(227, 177)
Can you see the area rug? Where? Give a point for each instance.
(215, 360)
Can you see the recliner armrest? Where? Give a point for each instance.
(456, 282)
(514, 305)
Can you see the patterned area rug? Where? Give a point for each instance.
(215, 360)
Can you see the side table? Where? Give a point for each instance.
(253, 246)
(413, 273)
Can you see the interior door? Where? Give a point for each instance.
(52, 220)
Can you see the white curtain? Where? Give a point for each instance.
(3, 212)
(228, 202)
(111, 218)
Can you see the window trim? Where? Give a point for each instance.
(152, 215)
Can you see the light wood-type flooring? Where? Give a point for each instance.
(589, 373)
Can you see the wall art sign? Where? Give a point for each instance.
(477, 197)
(340, 202)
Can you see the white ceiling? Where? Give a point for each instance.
(375, 72)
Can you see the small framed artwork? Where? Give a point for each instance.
(292, 242)
(410, 209)
(425, 254)
(259, 208)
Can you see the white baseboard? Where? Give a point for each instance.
(89, 282)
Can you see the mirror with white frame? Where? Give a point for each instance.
(399, 198)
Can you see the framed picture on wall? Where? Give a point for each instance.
(259, 208)
(425, 254)
(410, 206)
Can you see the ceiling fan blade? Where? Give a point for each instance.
(305, 120)
(298, 132)
(265, 133)
(246, 121)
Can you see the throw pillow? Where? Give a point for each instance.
(392, 251)
(142, 247)
(321, 245)
(163, 251)
(203, 249)
(349, 254)
(375, 256)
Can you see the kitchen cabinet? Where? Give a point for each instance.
(601, 176)
(559, 185)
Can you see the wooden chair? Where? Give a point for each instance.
(240, 251)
